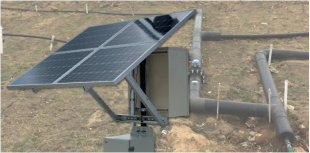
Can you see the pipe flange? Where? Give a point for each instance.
(199, 71)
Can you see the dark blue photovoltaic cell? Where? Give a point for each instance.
(50, 69)
(106, 64)
(149, 29)
(113, 51)
(93, 37)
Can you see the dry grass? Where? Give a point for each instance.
(70, 120)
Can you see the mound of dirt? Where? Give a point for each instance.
(183, 139)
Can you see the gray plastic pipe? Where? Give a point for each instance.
(202, 105)
(279, 116)
(195, 53)
(217, 36)
(245, 109)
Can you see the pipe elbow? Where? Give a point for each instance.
(197, 105)
(261, 55)
(264, 52)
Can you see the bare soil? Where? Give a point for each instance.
(70, 120)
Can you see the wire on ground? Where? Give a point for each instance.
(30, 36)
(71, 11)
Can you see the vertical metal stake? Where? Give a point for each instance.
(86, 6)
(285, 95)
(269, 103)
(51, 46)
(218, 101)
(36, 7)
(1, 41)
(270, 54)
(131, 10)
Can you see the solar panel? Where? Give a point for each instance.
(106, 64)
(103, 55)
(150, 29)
(93, 37)
(51, 68)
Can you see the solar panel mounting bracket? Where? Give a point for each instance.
(94, 94)
(145, 100)
(121, 118)
(136, 119)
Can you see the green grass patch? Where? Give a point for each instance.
(23, 145)
(244, 95)
(235, 70)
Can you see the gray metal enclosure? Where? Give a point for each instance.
(167, 81)
(141, 139)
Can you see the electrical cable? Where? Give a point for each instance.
(30, 36)
(71, 11)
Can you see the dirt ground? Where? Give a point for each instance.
(70, 120)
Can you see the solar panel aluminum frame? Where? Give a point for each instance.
(122, 75)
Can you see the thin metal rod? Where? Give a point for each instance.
(52, 41)
(145, 100)
(86, 8)
(285, 95)
(131, 10)
(218, 101)
(270, 54)
(102, 103)
(269, 108)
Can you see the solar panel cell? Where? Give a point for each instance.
(113, 50)
(106, 64)
(50, 69)
(93, 37)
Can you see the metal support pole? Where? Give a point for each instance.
(1, 41)
(145, 100)
(131, 102)
(132, 106)
(101, 102)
